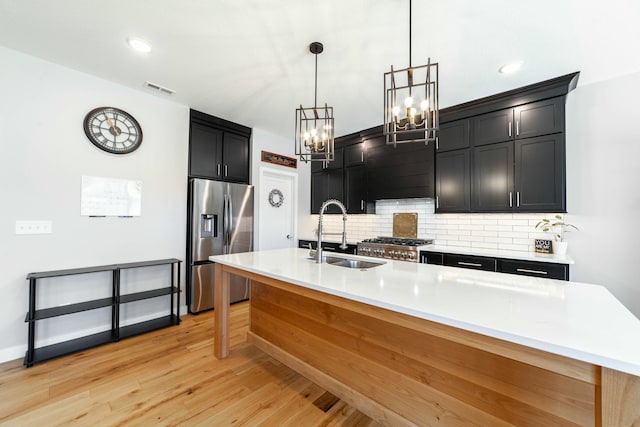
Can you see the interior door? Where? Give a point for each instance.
(277, 212)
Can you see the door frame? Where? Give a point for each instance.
(260, 193)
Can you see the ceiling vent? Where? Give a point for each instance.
(159, 88)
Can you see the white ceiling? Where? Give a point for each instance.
(248, 60)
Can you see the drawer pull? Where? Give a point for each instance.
(328, 248)
(526, 270)
(471, 264)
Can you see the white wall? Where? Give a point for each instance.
(44, 155)
(603, 175)
(264, 140)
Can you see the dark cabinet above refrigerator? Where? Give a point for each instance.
(218, 149)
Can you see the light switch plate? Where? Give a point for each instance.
(34, 227)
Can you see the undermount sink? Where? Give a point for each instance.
(350, 263)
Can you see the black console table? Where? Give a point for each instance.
(35, 355)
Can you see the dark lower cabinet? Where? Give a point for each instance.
(537, 269)
(470, 261)
(329, 246)
(549, 270)
(453, 181)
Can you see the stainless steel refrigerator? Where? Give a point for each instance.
(220, 222)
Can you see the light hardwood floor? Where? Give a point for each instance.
(169, 378)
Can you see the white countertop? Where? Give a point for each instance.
(577, 320)
(521, 255)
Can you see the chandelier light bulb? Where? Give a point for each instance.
(314, 132)
(408, 102)
(306, 135)
(395, 110)
(412, 112)
(424, 105)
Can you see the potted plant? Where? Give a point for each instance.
(559, 245)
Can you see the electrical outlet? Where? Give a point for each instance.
(34, 227)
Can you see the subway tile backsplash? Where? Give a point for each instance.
(488, 231)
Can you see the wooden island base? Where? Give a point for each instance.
(403, 370)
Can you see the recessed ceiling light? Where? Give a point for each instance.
(510, 68)
(139, 45)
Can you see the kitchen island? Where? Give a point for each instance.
(418, 344)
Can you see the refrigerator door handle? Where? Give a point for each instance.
(224, 225)
(230, 224)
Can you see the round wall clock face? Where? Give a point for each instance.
(112, 130)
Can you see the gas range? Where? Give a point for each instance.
(405, 249)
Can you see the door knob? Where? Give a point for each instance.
(289, 236)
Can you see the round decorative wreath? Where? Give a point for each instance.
(276, 198)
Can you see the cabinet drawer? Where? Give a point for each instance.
(431, 258)
(536, 269)
(328, 246)
(472, 262)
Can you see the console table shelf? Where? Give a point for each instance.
(116, 332)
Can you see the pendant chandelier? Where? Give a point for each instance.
(314, 126)
(411, 102)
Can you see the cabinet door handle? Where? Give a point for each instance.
(471, 264)
(510, 199)
(517, 198)
(218, 170)
(437, 202)
(226, 170)
(526, 270)
(361, 205)
(437, 143)
(362, 156)
(517, 127)
(509, 128)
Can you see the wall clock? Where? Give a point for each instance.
(113, 130)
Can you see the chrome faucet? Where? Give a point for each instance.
(320, 233)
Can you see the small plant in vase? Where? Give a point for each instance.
(546, 225)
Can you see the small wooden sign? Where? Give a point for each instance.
(279, 159)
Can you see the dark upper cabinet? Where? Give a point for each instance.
(493, 127)
(336, 163)
(327, 184)
(540, 174)
(493, 177)
(453, 136)
(355, 187)
(218, 149)
(453, 181)
(539, 118)
(205, 151)
(354, 154)
(525, 176)
(525, 121)
(235, 164)
(404, 171)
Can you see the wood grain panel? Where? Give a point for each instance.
(563, 365)
(510, 390)
(409, 399)
(620, 399)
